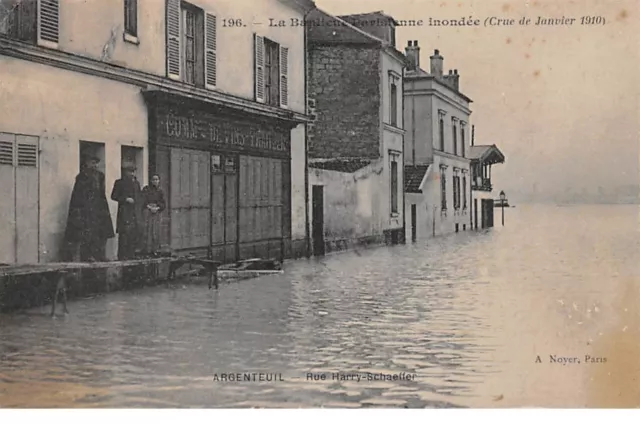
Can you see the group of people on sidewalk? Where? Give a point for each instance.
(89, 224)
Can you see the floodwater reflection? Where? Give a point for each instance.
(467, 315)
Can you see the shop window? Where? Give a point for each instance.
(230, 165)
(216, 163)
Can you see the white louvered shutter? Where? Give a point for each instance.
(48, 23)
(210, 57)
(27, 195)
(284, 76)
(259, 71)
(6, 149)
(173, 39)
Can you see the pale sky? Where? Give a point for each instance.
(560, 102)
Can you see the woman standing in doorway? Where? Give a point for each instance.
(153, 205)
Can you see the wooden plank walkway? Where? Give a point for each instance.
(29, 269)
(58, 272)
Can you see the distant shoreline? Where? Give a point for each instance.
(554, 203)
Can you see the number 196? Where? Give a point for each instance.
(230, 23)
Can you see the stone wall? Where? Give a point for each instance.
(344, 82)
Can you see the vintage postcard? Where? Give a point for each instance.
(319, 204)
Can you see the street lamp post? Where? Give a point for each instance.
(503, 197)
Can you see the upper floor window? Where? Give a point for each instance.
(442, 134)
(131, 17)
(35, 21)
(462, 139)
(191, 44)
(394, 104)
(394, 80)
(271, 72)
(454, 127)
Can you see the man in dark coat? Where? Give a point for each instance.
(89, 221)
(127, 192)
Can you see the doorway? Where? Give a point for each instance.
(414, 223)
(224, 207)
(475, 213)
(317, 224)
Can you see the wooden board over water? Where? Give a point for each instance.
(27, 269)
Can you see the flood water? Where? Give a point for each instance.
(466, 315)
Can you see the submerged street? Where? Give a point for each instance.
(459, 320)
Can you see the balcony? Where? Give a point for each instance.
(481, 184)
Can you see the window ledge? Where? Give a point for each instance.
(395, 215)
(394, 128)
(130, 38)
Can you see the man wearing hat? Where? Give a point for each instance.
(89, 220)
(126, 191)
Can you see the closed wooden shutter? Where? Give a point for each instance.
(19, 209)
(7, 193)
(173, 39)
(190, 199)
(48, 22)
(284, 76)
(210, 57)
(259, 68)
(27, 205)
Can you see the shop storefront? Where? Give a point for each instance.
(226, 176)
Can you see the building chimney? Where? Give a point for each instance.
(412, 51)
(437, 63)
(456, 80)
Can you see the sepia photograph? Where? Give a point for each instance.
(329, 204)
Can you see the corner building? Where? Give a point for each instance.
(214, 105)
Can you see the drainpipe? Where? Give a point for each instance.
(307, 234)
(473, 211)
(404, 195)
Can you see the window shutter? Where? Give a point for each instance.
(210, 57)
(6, 150)
(284, 76)
(259, 71)
(48, 23)
(173, 39)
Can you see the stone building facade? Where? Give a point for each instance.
(356, 140)
(438, 183)
(178, 88)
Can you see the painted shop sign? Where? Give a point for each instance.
(214, 132)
